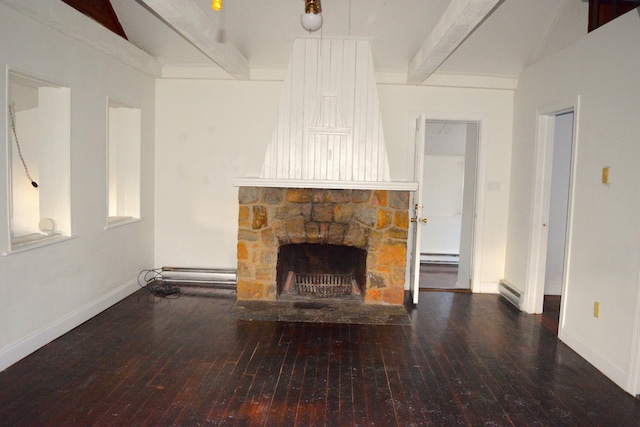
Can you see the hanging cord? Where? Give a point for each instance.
(349, 18)
(152, 281)
(15, 137)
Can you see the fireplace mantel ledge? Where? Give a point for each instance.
(326, 184)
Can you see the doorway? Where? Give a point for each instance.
(550, 241)
(448, 199)
(558, 211)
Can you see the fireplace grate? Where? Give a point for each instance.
(324, 285)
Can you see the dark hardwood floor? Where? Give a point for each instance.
(550, 313)
(466, 359)
(434, 276)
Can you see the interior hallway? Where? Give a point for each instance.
(465, 359)
(438, 276)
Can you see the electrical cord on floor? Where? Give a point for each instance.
(154, 283)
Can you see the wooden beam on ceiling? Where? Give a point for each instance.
(456, 23)
(194, 25)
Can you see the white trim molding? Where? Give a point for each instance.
(326, 184)
(633, 380)
(533, 298)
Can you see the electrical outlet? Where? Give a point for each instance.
(596, 309)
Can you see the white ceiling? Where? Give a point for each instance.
(516, 33)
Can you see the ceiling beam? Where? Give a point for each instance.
(193, 24)
(67, 20)
(456, 23)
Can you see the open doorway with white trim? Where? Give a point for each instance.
(558, 211)
(547, 272)
(448, 193)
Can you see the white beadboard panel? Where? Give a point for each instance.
(328, 126)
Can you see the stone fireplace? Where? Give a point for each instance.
(362, 233)
(324, 217)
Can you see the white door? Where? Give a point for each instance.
(468, 207)
(416, 209)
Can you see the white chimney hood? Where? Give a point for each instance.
(328, 130)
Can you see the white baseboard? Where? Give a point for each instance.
(615, 373)
(487, 288)
(33, 342)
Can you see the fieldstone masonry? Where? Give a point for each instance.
(374, 220)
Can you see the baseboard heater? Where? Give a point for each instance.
(508, 292)
(439, 258)
(206, 277)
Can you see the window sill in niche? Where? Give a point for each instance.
(34, 241)
(117, 221)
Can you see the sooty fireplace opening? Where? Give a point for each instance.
(321, 270)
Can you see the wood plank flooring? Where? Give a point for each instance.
(466, 359)
(439, 276)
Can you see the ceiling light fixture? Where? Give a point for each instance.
(216, 4)
(311, 19)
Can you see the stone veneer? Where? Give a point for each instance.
(374, 220)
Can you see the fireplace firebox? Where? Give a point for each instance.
(326, 271)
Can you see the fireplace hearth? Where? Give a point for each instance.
(322, 243)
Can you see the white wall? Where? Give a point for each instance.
(49, 290)
(604, 251)
(210, 132)
(442, 199)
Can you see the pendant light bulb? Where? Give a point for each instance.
(311, 19)
(216, 4)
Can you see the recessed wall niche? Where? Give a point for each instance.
(39, 166)
(123, 163)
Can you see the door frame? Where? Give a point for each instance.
(533, 298)
(478, 224)
(633, 377)
(415, 209)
